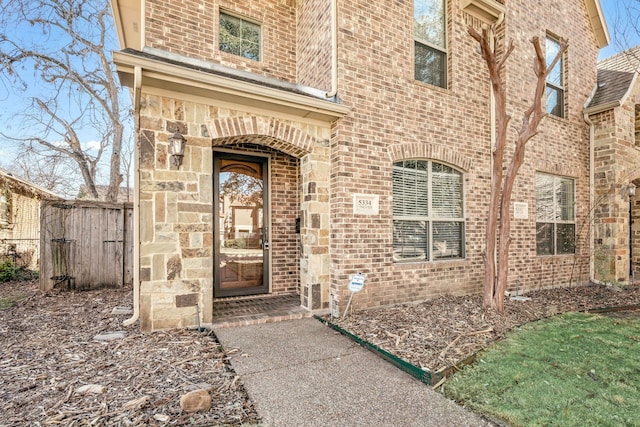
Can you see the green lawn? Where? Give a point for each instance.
(572, 370)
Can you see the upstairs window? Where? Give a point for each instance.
(555, 80)
(430, 41)
(239, 36)
(428, 221)
(555, 215)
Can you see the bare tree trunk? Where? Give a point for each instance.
(499, 218)
(115, 177)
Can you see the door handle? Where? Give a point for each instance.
(265, 239)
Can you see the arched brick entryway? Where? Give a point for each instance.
(312, 153)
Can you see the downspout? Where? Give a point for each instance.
(137, 89)
(334, 50)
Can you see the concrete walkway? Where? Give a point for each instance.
(302, 373)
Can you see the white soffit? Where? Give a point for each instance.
(599, 25)
(487, 11)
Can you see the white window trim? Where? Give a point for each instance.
(558, 221)
(430, 219)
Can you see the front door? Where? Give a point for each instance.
(241, 225)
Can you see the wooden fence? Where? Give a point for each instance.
(85, 244)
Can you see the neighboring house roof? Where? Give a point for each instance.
(627, 61)
(25, 187)
(616, 77)
(124, 195)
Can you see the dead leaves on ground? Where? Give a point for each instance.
(442, 332)
(52, 371)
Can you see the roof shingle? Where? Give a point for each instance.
(615, 76)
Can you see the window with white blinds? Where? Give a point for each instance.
(555, 215)
(428, 218)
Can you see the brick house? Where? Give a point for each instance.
(20, 220)
(356, 137)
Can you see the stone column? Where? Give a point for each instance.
(611, 234)
(314, 227)
(635, 236)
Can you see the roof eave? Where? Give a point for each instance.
(598, 23)
(184, 80)
(603, 107)
(613, 104)
(33, 188)
(127, 17)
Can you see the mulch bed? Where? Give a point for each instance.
(442, 332)
(48, 353)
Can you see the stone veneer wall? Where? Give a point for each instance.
(617, 163)
(176, 206)
(176, 218)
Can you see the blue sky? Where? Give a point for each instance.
(16, 94)
(621, 15)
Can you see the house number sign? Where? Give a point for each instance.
(520, 210)
(366, 204)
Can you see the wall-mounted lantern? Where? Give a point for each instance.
(177, 143)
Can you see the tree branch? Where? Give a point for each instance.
(78, 72)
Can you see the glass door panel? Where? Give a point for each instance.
(242, 244)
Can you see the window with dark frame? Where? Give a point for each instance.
(428, 218)
(430, 41)
(239, 36)
(555, 215)
(555, 79)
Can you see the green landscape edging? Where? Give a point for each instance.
(613, 309)
(426, 377)
(429, 377)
